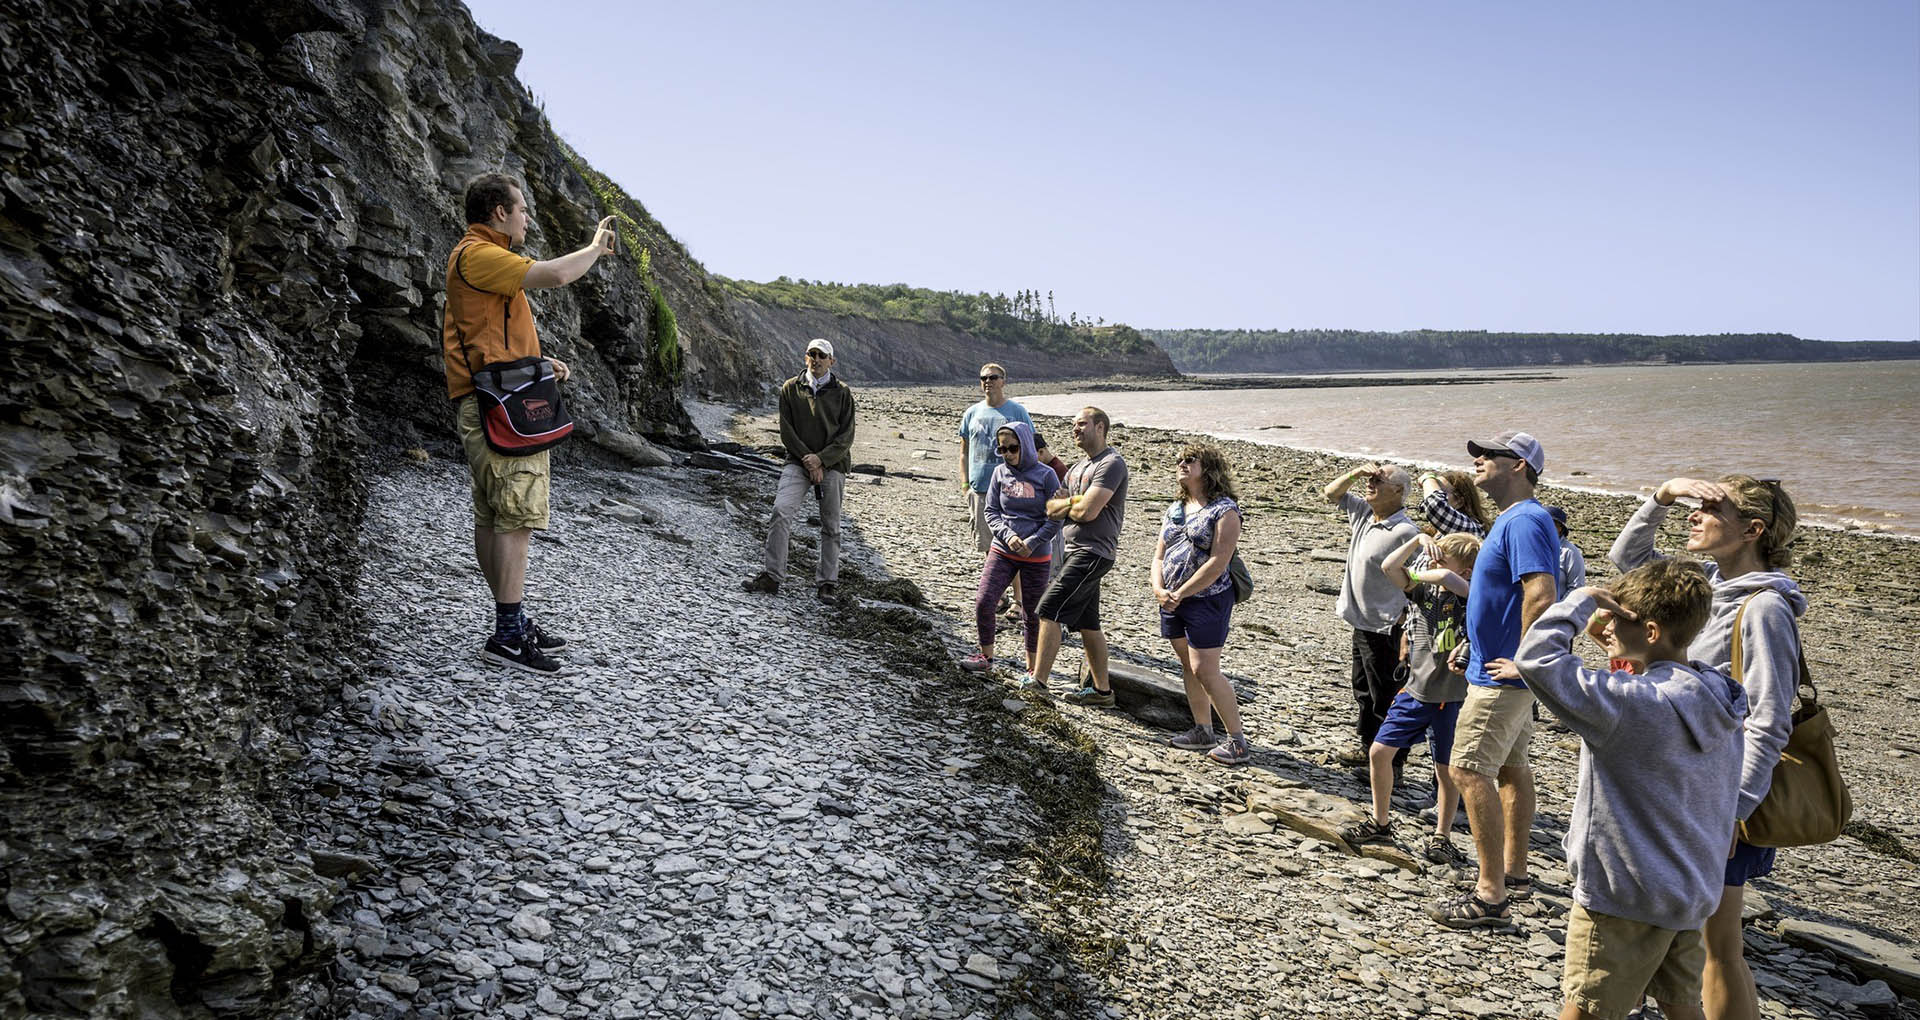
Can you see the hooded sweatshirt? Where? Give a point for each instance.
(1017, 499)
(1769, 634)
(1659, 774)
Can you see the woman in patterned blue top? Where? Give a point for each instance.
(1195, 592)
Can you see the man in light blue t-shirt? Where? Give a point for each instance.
(1514, 581)
(978, 457)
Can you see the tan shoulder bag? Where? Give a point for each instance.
(1808, 802)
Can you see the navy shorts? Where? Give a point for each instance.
(1409, 718)
(1201, 620)
(1073, 596)
(1749, 861)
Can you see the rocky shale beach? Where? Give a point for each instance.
(740, 806)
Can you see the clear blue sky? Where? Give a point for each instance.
(1671, 167)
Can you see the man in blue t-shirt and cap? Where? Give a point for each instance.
(1515, 579)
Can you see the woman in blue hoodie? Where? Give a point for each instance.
(1741, 528)
(1016, 513)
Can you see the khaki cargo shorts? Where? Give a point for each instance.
(1492, 730)
(1611, 959)
(509, 493)
(977, 509)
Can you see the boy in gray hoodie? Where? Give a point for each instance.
(1659, 779)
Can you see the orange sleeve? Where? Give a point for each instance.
(492, 268)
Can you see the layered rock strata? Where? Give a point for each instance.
(222, 228)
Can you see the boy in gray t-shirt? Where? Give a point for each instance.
(1436, 684)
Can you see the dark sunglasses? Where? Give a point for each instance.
(818, 354)
(1507, 454)
(1188, 460)
(1009, 449)
(990, 378)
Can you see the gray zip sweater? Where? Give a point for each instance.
(1659, 774)
(1769, 634)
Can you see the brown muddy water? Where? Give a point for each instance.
(1841, 436)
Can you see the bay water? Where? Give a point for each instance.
(1840, 435)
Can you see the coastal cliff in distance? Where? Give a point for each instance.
(899, 350)
(1347, 350)
(899, 333)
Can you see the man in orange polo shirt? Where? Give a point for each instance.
(488, 319)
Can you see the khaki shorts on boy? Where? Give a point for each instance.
(509, 493)
(1492, 731)
(1611, 960)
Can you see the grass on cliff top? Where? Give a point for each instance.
(1024, 320)
(637, 228)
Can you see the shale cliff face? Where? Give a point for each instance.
(222, 236)
(890, 350)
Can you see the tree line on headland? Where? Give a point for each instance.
(1027, 319)
(1337, 350)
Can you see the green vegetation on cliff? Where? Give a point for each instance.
(1333, 350)
(1025, 320)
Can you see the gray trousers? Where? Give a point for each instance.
(787, 502)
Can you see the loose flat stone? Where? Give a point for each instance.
(1874, 957)
(984, 965)
(528, 925)
(675, 864)
(1307, 812)
(1873, 993)
(1246, 824)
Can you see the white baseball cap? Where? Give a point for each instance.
(821, 345)
(1519, 444)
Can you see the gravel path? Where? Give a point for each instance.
(719, 810)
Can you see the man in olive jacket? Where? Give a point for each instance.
(816, 427)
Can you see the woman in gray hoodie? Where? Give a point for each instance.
(1741, 528)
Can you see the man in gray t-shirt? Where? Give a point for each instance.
(1369, 602)
(1101, 535)
(1092, 511)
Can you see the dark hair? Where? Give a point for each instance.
(1216, 477)
(1533, 477)
(488, 191)
(1095, 416)
(1040, 441)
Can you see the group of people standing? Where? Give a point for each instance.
(1458, 630)
(1461, 628)
(1053, 532)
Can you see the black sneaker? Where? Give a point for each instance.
(548, 643)
(521, 655)
(762, 583)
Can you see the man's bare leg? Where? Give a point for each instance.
(1483, 805)
(1516, 802)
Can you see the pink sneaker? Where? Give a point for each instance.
(976, 663)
